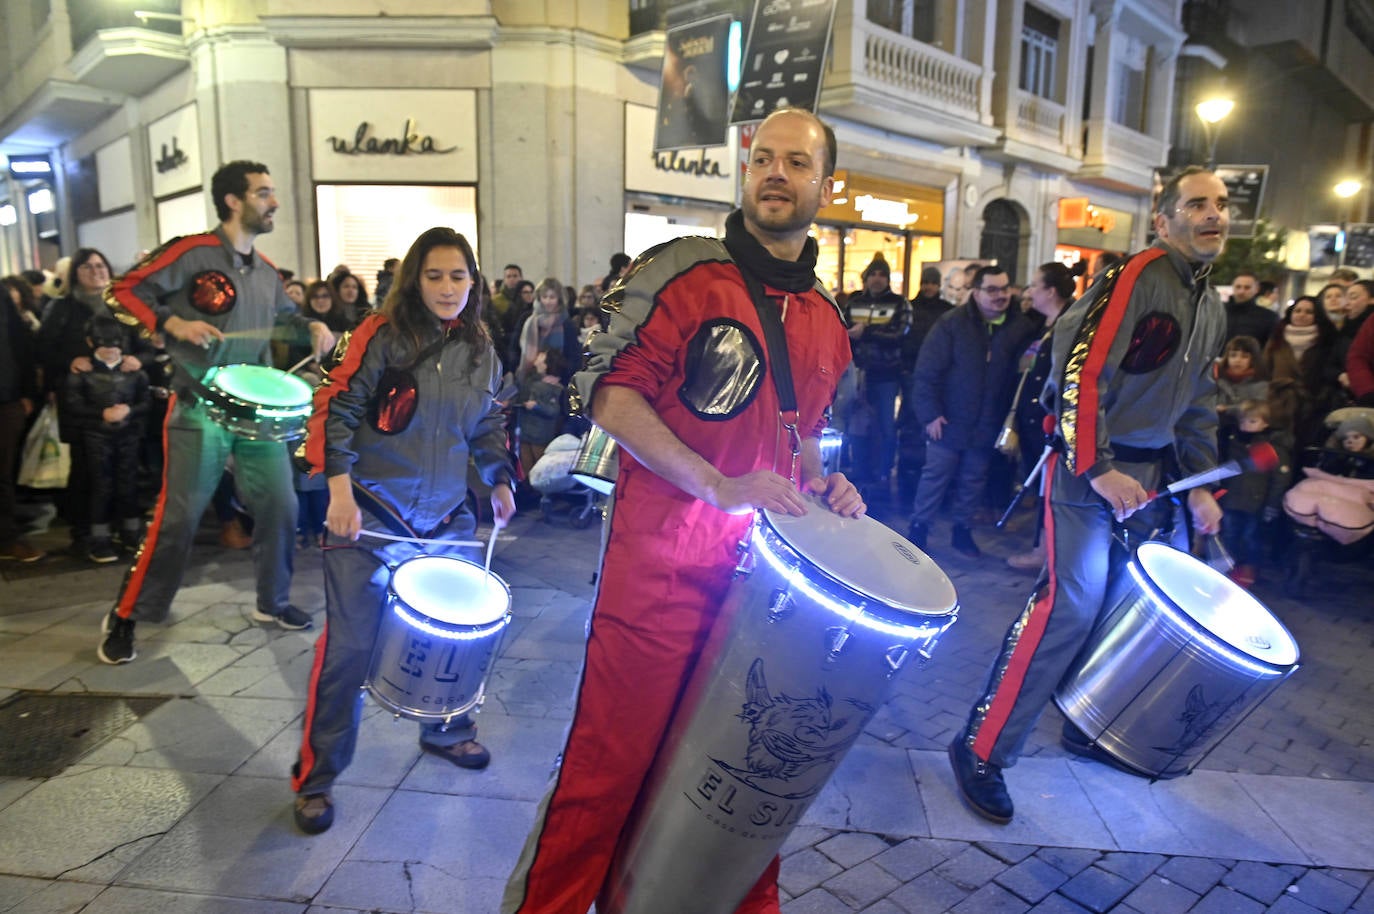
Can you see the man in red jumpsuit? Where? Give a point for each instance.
(681, 380)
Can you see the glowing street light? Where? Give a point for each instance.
(1348, 188)
(1212, 111)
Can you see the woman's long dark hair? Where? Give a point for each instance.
(406, 309)
(79, 260)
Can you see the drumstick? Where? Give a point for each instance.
(1262, 458)
(463, 544)
(491, 547)
(248, 334)
(301, 364)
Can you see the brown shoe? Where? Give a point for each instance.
(467, 754)
(314, 812)
(233, 536)
(22, 551)
(1033, 560)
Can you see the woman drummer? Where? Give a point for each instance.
(393, 433)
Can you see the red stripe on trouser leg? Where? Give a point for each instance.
(307, 759)
(1008, 688)
(133, 583)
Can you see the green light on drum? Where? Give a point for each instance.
(259, 384)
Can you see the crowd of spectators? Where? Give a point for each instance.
(109, 385)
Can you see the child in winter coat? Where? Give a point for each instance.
(542, 405)
(107, 407)
(1252, 500)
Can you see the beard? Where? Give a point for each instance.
(256, 222)
(783, 222)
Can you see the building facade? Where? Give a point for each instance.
(968, 129)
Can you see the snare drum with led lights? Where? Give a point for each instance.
(440, 631)
(1180, 660)
(257, 402)
(823, 613)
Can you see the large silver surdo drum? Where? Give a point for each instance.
(823, 614)
(441, 627)
(1180, 660)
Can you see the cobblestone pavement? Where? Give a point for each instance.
(187, 809)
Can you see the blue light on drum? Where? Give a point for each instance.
(1187, 623)
(427, 626)
(786, 563)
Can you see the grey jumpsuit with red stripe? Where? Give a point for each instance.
(1132, 368)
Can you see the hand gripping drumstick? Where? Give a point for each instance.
(1262, 458)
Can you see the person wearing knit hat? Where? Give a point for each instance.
(1356, 434)
(877, 325)
(926, 308)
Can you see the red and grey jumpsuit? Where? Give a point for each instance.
(1132, 389)
(403, 430)
(684, 333)
(202, 278)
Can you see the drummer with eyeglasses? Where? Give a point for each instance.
(681, 381)
(216, 300)
(409, 397)
(1132, 391)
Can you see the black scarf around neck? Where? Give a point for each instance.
(788, 275)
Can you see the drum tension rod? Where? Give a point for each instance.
(780, 606)
(839, 635)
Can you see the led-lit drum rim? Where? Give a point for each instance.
(229, 381)
(840, 599)
(1180, 617)
(440, 628)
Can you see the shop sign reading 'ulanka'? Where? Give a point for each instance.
(364, 142)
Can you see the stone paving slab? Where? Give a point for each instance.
(441, 854)
(81, 822)
(209, 733)
(240, 841)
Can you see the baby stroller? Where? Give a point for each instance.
(560, 492)
(1332, 508)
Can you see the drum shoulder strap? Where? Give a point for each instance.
(775, 338)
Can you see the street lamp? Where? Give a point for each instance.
(1346, 190)
(1212, 111)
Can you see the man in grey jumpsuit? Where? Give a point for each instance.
(1131, 387)
(216, 301)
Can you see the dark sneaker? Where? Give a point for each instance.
(314, 812)
(980, 783)
(21, 551)
(101, 551)
(467, 754)
(129, 540)
(962, 540)
(290, 618)
(118, 646)
(918, 533)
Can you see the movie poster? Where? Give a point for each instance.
(694, 96)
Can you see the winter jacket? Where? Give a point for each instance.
(879, 350)
(202, 278)
(1133, 364)
(404, 431)
(87, 394)
(967, 373)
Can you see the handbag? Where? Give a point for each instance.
(46, 461)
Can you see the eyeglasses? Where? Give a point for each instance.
(993, 290)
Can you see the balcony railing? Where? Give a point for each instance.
(921, 70)
(1039, 117)
(1109, 143)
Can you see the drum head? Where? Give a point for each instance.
(449, 589)
(868, 557)
(1218, 604)
(262, 385)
